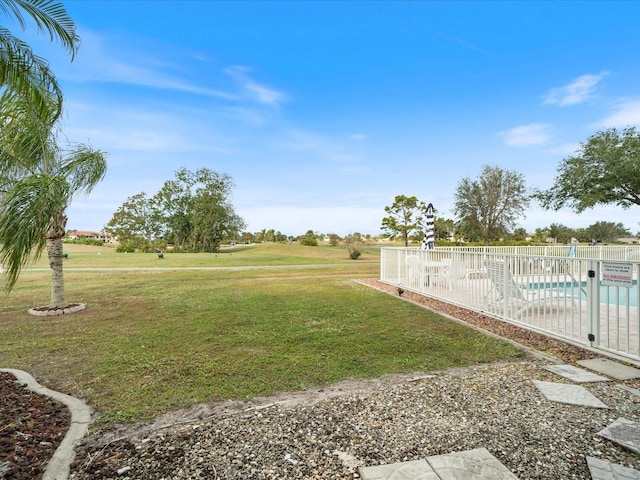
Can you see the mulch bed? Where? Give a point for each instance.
(31, 428)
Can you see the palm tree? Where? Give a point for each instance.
(21, 70)
(38, 179)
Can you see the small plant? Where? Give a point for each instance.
(355, 244)
(126, 247)
(309, 241)
(354, 251)
(85, 241)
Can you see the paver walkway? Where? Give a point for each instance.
(624, 432)
(610, 368)
(575, 374)
(472, 464)
(569, 394)
(601, 470)
(479, 464)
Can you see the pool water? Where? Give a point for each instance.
(608, 294)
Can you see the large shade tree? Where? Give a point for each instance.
(21, 70)
(197, 210)
(605, 170)
(193, 212)
(38, 179)
(607, 231)
(137, 223)
(490, 205)
(404, 216)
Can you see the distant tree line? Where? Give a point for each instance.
(192, 212)
(604, 171)
(448, 231)
(601, 231)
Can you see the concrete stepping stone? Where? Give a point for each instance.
(413, 470)
(569, 394)
(633, 391)
(601, 470)
(610, 368)
(575, 374)
(624, 432)
(476, 464)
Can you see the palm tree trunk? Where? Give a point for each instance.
(54, 252)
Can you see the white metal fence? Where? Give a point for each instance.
(603, 252)
(587, 295)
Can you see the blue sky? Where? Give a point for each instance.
(323, 112)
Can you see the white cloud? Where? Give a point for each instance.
(627, 113)
(578, 91)
(358, 137)
(462, 42)
(252, 89)
(323, 148)
(526, 135)
(102, 61)
(303, 140)
(137, 130)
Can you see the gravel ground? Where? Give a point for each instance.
(494, 406)
(327, 433)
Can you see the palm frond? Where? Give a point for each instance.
(27, 74)
(49, 16)
(27, 211)
(83, 168)
(27, 143)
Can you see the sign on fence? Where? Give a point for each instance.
(617, 274)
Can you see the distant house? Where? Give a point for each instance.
(87, 235)
(629, 240)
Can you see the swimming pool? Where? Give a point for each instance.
(608, 294)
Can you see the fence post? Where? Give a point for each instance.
(507, 301)
(593, 302)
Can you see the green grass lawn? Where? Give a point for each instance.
(274, 254)
(154, 340)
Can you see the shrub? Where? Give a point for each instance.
(309, 241)
(355, 244)
(354, 251)
(85, 241)
(126, 247)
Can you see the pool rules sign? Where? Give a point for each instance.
(617, 274)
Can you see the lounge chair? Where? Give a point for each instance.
(415, 273)
(560, 265)
(424, 273)
(518, 299)
(454, 269)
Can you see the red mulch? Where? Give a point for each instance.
(31, 428)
